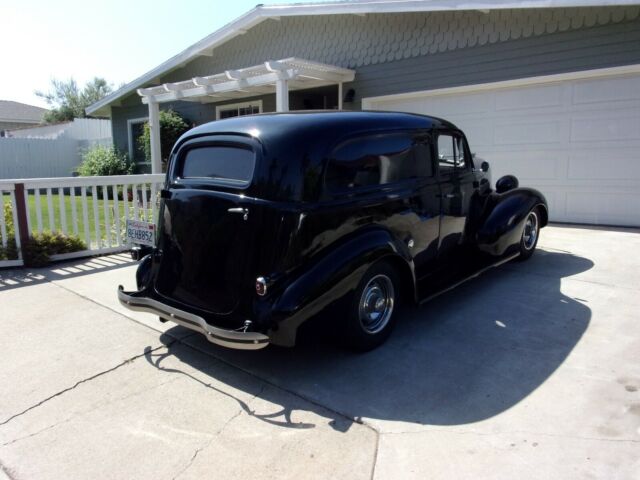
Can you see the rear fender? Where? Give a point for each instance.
(501, 230)
(332, 277)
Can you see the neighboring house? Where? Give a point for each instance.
(50, 150)
(17, 115)
(84, 130)
(544, 89)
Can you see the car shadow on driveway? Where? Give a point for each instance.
(466, 356)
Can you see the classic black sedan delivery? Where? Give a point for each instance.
(268, 220)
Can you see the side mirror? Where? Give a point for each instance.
(506, 183)
(484, 166)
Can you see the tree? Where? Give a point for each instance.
(172, 126)
(68, 101)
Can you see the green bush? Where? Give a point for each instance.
(172, 126)
(10, 252)
(38, 249)
(102, 160)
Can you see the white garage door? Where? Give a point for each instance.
(575, 139)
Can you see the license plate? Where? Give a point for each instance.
(142, 233)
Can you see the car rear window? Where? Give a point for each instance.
(224, 164)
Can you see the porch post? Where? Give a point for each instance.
(154, 130)
(282, 95)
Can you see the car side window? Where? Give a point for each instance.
(451, 154)
(375, 160)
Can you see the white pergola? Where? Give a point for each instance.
(280, 76)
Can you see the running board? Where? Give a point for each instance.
(470, 277)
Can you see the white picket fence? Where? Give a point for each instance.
(73, 206)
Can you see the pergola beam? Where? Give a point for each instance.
(278, 75)
(154, 130)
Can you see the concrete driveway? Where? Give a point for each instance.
(530, 371)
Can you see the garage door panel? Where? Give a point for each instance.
(532, 98)
(479, 134)
(621, 126)
(528, 165)
(609, 90)
(610, 208)
(577, 141)
(523, 133)
(620, 164)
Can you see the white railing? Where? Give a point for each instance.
(94, 209)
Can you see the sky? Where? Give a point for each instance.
(118, 40)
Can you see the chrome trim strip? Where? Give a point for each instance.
(219, 336)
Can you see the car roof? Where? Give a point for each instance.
(267, 126)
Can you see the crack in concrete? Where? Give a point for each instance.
(206, 444)
(78, 383)
(357, 420)
(85, 412)
(265, 382)
(375, 455)
(5, 470)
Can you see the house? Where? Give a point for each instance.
(548, 90)
(17, 115)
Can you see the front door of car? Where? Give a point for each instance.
(457, 186)
(427, 208)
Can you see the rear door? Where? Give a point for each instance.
(207, 224)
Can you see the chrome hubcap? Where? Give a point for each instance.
(376, 303)
(530, 233)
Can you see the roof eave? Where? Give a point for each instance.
(260, 13)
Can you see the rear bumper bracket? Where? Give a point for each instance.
(219, 336)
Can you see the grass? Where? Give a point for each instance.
(67, 204)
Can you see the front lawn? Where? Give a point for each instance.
(68, 209)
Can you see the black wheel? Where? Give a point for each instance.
(371, 317)
(530, 234)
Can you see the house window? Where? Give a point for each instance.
(238, 109)
(135, 128)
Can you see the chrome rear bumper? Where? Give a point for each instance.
(219, 336)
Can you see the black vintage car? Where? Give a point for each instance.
(268, 220)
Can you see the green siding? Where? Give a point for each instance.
(394, 53)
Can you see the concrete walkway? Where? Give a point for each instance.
(530, 371)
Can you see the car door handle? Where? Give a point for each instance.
(243, 211)
(449, 195)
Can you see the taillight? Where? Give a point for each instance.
(261, 286)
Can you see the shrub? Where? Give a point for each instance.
(172, 126)
(10, 252)
(37, 250)
(103, 160)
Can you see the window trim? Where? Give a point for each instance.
(130, 123)
(468, 164)
(236, 106)
(222, 141)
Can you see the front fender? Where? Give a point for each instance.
(330, 278)
(502, 227)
